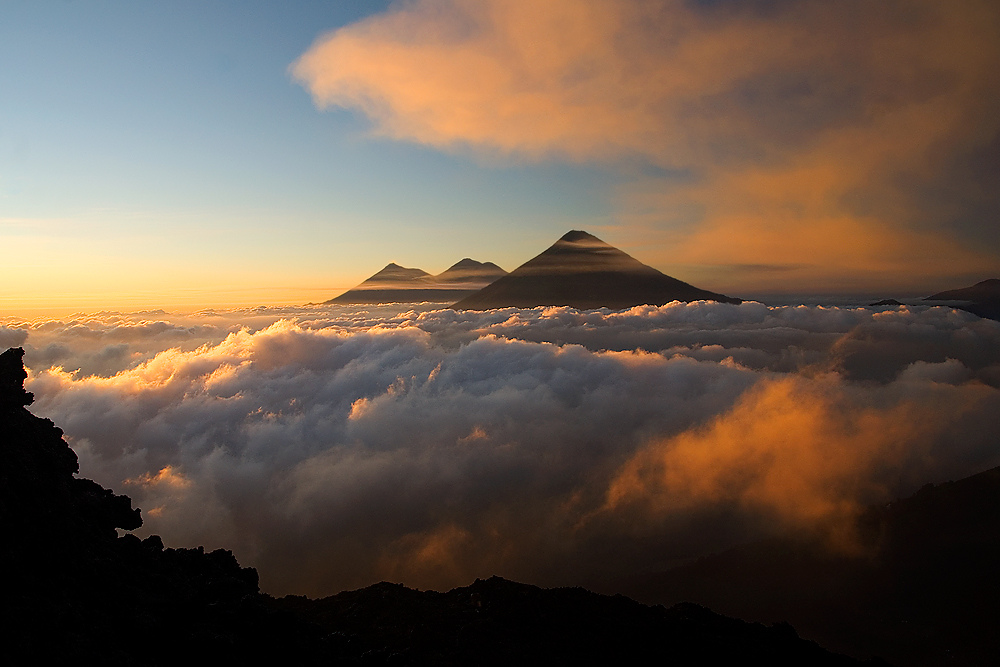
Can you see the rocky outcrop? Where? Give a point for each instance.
(77, 590)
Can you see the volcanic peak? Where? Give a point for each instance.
(582, 271)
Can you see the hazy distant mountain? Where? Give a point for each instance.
(983, 298)
(987, 290)
(469, 272)
(922, 590)
(398, 284)
(582, 271)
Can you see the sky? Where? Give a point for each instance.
(191, 154)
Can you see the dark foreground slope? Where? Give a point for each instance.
(923, 590)
(75, 592)
(500, 622)
(398, 284)
(982, 299)
(581, 271)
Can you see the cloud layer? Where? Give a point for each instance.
(334, 447)
(849, 144)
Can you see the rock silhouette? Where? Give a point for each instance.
(75, 590)
(78, 592)
(398, 284)
(581, 271)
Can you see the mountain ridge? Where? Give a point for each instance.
(982, 299)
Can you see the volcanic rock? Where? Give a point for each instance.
(581, 271)
(77, 592)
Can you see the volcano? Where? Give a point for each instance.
(398, 284)
(582, 271)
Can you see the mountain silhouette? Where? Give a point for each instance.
(582, 271)
(468, 272)
(986, 290)
(77, 592)
(982, 299)
(398, 284)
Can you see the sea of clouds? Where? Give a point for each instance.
(333, 447)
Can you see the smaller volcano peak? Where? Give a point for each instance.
(466, 263)
(396, 272)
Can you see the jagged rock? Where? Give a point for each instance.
(12, 376)
(75, 590)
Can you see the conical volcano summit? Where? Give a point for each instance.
(582, 271)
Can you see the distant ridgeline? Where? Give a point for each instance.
(78, 593)
(398, 284)
(982, 299)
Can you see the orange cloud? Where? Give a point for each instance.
(805, 452)
(436, 558)
(821, 137)
(168, 476)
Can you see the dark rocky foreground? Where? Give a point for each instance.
(77, 592)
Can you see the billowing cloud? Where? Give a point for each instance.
(850, 144)
(809, 452)
(336, 446)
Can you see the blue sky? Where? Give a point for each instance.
(174, 132)
(164, 153)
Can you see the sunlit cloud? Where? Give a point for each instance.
(808, 452)
(850, 142)
(331, 447)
